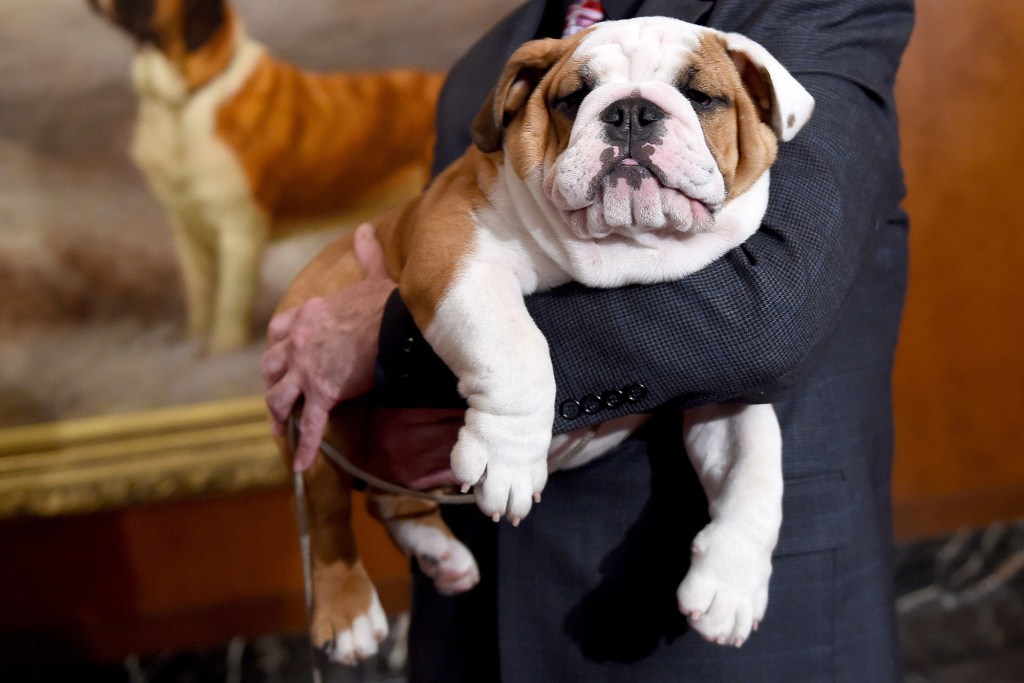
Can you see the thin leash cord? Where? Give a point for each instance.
(304, 547)
(376, 482)
(442, 498)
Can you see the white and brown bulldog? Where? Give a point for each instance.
(633, 152)
(241, 148)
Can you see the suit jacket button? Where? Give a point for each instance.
(635, 392)
(612, 398)
(591, 404)
(569, 409)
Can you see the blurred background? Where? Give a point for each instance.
(146, 527)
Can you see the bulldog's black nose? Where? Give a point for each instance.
(631, 119)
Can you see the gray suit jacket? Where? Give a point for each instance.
(804, 315)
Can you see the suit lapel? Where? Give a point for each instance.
(522, 26)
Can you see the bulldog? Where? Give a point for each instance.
(633, 152)
(241, 148)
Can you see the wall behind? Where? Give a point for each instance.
(959, 380)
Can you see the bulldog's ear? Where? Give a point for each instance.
(523, 71)
(784, 104)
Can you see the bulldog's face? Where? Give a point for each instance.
(182, 25)
(647, 124)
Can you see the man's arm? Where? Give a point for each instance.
(749, 326)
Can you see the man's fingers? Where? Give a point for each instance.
(280, 325)
(281, 398)
(274, 363)
(277, 428)
(369, 252)
(311, 426)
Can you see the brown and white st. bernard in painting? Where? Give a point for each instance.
(241, 148)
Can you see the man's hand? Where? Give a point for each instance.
(324, 350)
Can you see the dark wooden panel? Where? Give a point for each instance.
(959, 380)
(175, 575)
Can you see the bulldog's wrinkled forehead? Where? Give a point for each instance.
(651, 48)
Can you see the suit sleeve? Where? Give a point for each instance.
(751, 325)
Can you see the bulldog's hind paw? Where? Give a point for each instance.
(445, 560)
(348, 621)
(361, 640)
(440, 555)
(725, 594)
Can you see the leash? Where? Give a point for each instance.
(304, 548)
(376, 482)
(358, 473)
(442, 498)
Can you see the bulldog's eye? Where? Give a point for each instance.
(570, 104)
(701, 99)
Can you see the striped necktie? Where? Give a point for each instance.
(582, 13)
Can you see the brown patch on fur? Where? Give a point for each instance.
(540, 134)
(342, 588)
(201, 19)
(523, 71)
(518, 91)
(329, 508)
(542, 116)
(435, 231)
(315, 144)
(743, 145)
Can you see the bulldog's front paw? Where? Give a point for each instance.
(348, 622)
(505, 460)
(725, 593)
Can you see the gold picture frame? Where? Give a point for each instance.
(85, 465)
